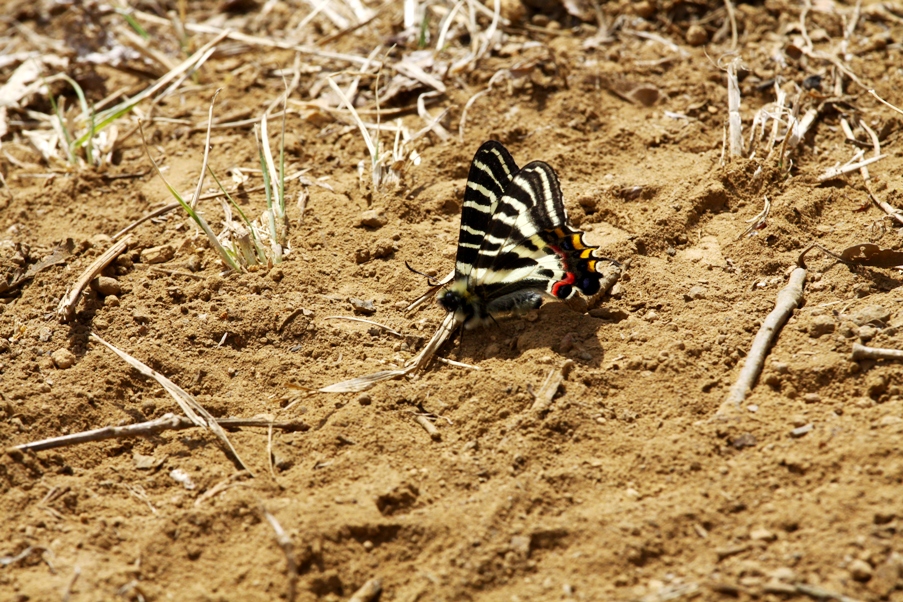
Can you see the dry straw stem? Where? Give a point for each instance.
(788, 299)
(851, 165)
(371, 148)
(353, 319)
(894, 213)
(861, 352)
(415, 364)
(66, 308)
(288, 549)
(368, 591)
(429, 427)
(882, 101)
(542, 399)
(733, 20)
(735, 126)
(192, 409)
(167, 422)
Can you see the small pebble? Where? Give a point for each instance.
(867, 333)
(696, 292)
(697, 35)
(111, 301)
(194, 263)
(373, 218)
(567, 343)
(871, 314)
(160, 254)
(365, 308)
(821, 325)
(762, 535)
(63, 358)
(107, 286)
(798, 420)
(802, 430)
(811, 398)
(364, 399)
(860, 570)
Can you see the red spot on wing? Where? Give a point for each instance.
(569, 279)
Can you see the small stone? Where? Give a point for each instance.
(160, 254)
(141, 315)
(365, 308)
(383, 248)
(373, 218)
(644, 9)
(744, 440)
(45, 334)
(368, 545)
(111, 301)
(63, 358)
(860, 570)
(785, 574)
(143, 462)
(876, 385)
(798, 420)
(867, 333)
(801, 431)
(847, 329)
(364, 399)
(821, 325)
(885, 578)
(871, 314)
(362, 256)
(780, 367)
(651, 316)
(194, 263)
(696, 292)
(697, 35)
(567, 343)
(276, 274)
(107, 286)
(520, 544)
(616, 291)
(762, 535)
(812, 398)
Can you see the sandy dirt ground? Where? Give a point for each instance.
(629, 485)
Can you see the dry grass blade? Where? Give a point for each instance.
(192, 409)
(852, 165)
(66, 308)
(353, 319)
(368, 591)
(735, 126)
(884, 102)
(363, 383)
(368, 140)
(543, 398)
(788, 299)
(200, 186)
(167, 422)
(861, 352)
(288, 549)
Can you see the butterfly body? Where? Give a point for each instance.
(515, 245)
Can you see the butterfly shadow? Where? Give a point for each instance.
(557, 330)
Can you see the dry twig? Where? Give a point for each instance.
(167, 422)
(288, 548)
(368, 591)
(861, 352)
(543, 398)
(429, 427)
(66, 308)
(189, 405)
(788, 299)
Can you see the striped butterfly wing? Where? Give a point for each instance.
(530, 245)
(491, 172)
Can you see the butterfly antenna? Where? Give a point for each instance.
(431, 280)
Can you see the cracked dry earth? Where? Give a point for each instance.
(625, 488)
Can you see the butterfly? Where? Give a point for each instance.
(515, 245)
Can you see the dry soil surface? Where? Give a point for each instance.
(629, 486)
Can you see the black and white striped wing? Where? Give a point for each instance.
(529, 243)
(491, 173)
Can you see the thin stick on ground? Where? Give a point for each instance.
(788, 299)
(200, 185)
(365, 321)
(884, 102)
(429, 427)
(861, 352)
(189, 405)
(894, 213)
(543, 398)
(66, 308)
(735, 126)
(288, 549)
(733, 20)
(368, 591)
(167, 422)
